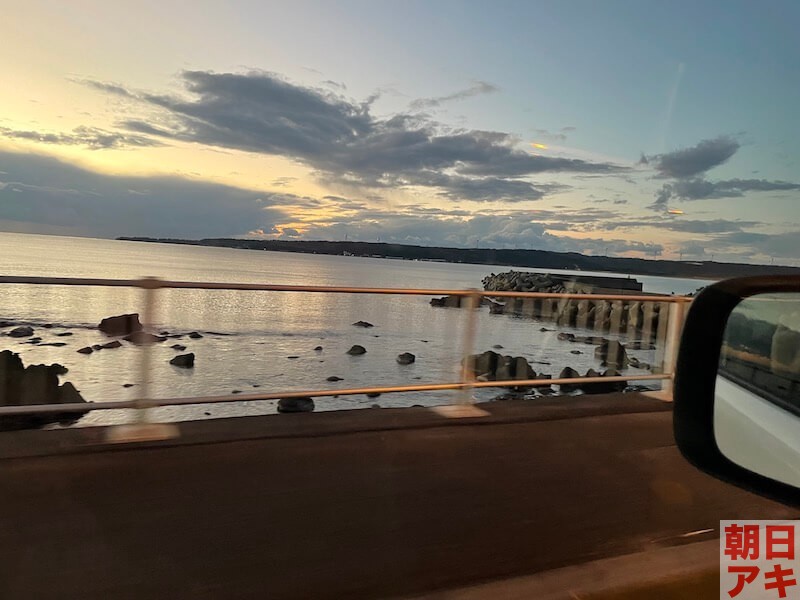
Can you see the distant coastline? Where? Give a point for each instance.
(532, 259)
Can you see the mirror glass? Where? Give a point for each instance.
(757, 395)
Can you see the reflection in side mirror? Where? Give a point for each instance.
(757, 394)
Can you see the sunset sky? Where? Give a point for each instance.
(627, 128)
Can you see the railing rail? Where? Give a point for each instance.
(151, 285)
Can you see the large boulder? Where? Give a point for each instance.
(365, 324)
(36, 384)
(357, 350)
(185, 361)
(568, 373)
(296, 405)
(21, 332)
(522, 370)
(485, 364)
(612, 353)
(120, 324)
(603, 387)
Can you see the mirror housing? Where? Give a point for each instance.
(696, 383)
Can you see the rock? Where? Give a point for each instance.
(55, 344)
(334, 378)
(195, 335)
(375, 406)
(120, 324)
(142, 337)
(406, 358)
(568, 373)
(575, 352)
(48, 325)
(634, 362)
(97, 347)
(506, 366)
(34, 340)
(296, 405)
(178, 347)
(206, 413)
(447, 301)
(496, 308)
(612, 353)
(7, 323)
(497, 347)
(127, 385)
(164, 333)
(522, 370)
(292, 357)
(357, 350)
(364, 324)
(236, 391)
(85, 350)
(185, 361)
(373, 394)
(318, 349)
(543, 329)
(256, 385)
(566, 337)
(485, 364)
(601, 387)
(64, 334)
(113, 344)
(21, 332)
(59, 369)
(36, 384)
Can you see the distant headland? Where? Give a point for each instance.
(532, 259)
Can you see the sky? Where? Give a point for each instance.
(619, 128)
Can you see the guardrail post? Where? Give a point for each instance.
(468, 362)
(142, 429)
(671, 343)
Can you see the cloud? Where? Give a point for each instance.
(709, 226)
(554, 136)
(488, 231)
(343, 141)
(701, 189)
(692, 249)
(747, 245)
(105, 86)
(44, 194)
(91, 137)
(480, 87)
(690, 162)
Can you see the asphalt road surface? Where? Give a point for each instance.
(362, 504)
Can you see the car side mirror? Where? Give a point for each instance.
(737, 385)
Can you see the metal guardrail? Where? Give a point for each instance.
(151, 285)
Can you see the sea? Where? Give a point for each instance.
(258, 342)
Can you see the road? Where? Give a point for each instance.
(357, 504)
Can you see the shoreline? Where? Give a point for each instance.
(511, 258)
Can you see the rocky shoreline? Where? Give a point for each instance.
(609, 356)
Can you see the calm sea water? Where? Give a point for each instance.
(270, 336)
